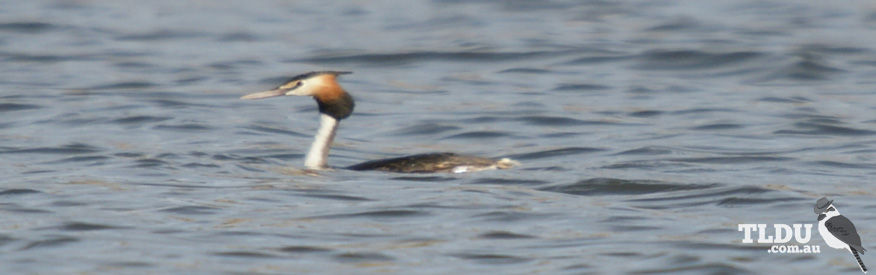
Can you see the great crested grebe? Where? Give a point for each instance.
(336, 104)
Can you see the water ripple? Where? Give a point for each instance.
(504, 235)
(188, 127)
(489, 258)
(809, 128)
(192, 210)
(555, 153)
(73, 148)
(426, 56)
(140, 119)
(27, 27)
(692, 59)
(580, 87)
(479, 135)
(10, 107)
(124, 85)
(356, 257)
(51, 242)
(244, 254)
(336, 197)
(508, 181)
(424, 129)
(611, 186)
(377, 214)
(159, 35)
(809, 67)
(18, 192)
(561, 121)
(301, 249)
(81, 226)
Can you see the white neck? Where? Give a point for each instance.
(322, 142)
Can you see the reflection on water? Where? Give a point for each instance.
(647, 132)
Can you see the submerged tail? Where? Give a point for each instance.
(858, 257)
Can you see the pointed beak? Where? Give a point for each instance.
(265, 94)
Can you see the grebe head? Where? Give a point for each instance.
(322, 86)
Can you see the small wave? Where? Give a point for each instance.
(479, 135)
(302, 249)
(45, 58)
(692, 59)
(580, 87)
(239, 37)
(561, 121)
(809, 128)
(704, 110)
(525, 71)
(731, 160)
(244, 254)
(677, 24)
(27, 27)
(159, 35)
(336, 197)
(124, 85)
(149, 162)
(425, 179)
(595, 60)
(793, 99)
(196, 165)
(51, 242)
(170, 103)
(424, 129)
(510, 216)
(611, 186)
(718, 126)
(721, 196)
(134, 65)
(738, 201)
(646, 113)
(508, 181)
(555, 153)
(377, 214)
(424, 56)
(81, 159)
(362, 257)
(707, 268)
(275, 130)
(192, 210)
(18, 192)
(837, 164)
(10, 107)
(504, 235)
(647, 150)
(139, 119)
(808, 67)
(492, 258)
(81, 226)
(184, 127)
(633, 228)
(73, 148)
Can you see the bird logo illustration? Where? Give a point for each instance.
(838, 231)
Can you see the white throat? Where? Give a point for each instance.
(322, 142)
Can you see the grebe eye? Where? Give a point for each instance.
(831, 209)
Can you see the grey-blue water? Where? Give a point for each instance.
(647, 131)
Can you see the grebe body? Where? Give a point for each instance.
(336, 104)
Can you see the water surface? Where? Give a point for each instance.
(647, 132)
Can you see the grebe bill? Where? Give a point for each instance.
(336, 104)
